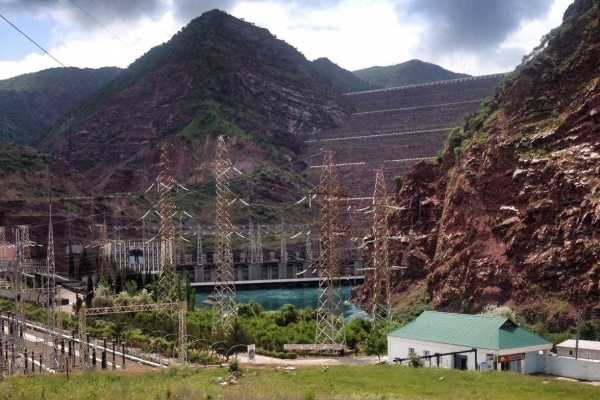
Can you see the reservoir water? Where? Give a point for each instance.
(300, 297)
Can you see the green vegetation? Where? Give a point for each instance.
(475, 130)
(16, 158)
(209, 122)
(344, 79)
(412, 303)
(59, 89)
(408, 73)
(375, 382)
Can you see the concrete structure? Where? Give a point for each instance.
(467, 341)
(585, 349)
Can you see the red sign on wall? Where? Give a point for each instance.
(511, 357)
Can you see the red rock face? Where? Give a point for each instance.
(511, 212)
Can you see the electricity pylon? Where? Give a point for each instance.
(380, 307)
(50, 356)
(167, 286)
(330, 308)
(256, 252)
(283, 253)
(225, 310)
(103, 266)
(22, 266)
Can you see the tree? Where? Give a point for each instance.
(237, 335)
(376, 344)
(103, 296)
(250, 309)
(78, 303)
(84, 264)
(190, 294)
(89, 296)
(119, 283)
(589, 330)
(288, 313)
(356, 332)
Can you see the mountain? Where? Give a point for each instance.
(509, 214)
(408, 73)
(343, 78)
(33, 102)
(217, 76)
(29, 180)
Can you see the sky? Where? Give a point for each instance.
(476, 37)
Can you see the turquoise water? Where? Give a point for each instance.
(273, 299)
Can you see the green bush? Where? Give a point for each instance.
(415, 360)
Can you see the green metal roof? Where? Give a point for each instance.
(480, 331)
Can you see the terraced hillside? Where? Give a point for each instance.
(394, 128)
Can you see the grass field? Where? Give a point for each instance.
(335, 382)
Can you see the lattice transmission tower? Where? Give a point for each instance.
(256, 252)
(21, 266)
(283, 253)
(51, 335)
(103, 267)
(380, 307)
(168, 291)
(330, 307)
(3, 256)
(225, 310)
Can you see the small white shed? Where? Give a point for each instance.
(585, 349)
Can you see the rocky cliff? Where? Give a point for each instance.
(510, 212)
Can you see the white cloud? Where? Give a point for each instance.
(530, 32)
(354, 34)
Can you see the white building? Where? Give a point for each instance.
(585, 349)
(467, 341)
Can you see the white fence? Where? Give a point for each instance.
(569, 367)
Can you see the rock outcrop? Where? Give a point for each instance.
(510, 213)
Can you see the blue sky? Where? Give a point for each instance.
(470, 36)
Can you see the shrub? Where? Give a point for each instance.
(415, 360)
(234, 365)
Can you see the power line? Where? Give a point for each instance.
(105, 28)
(32, 41)
(149, 16)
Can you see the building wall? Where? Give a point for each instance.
(399, 348)
(534, 362)
(588, 354)
(573, 368)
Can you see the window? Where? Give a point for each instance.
(425, 353)
(411, 351)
